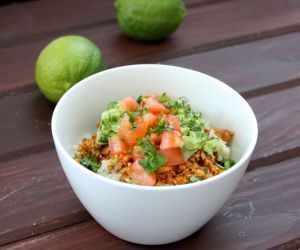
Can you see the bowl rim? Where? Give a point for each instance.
(78, 166)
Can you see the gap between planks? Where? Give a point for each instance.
(221, 25)
(95, 20)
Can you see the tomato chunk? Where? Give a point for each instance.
(174, 156)
(155, 138)
(135, 154)
(131, 135)
(174, 121)
(116, 145)
(139, 175)
(171, 139)
(129, 104)
(150, 119)
(154, 106)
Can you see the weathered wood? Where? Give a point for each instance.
(25, 22)
(278, 123)
(290, 245)
(262, 213)
(25, 125)
(251, 68)
(35, 197)
(207, 27)
(271, 110)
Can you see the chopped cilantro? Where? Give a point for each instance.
(152, 159)
(134, 127)
(225, 164)
(131, 116)
(181, 105)
(110, 123)
(164, 98)
(91, 163)
(162, 125)
(194, 178)
(112, 105)
(76, 155)
(132, 119)
(139, 99)
(145, 108)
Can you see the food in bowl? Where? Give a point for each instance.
(152, 214)
(155, 140)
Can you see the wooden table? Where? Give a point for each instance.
(253, 45)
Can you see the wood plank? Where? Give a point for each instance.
(278, 123)
(252, 68)
(290, 245)
(23, 22)
(25, 125)
(271, 110)
(210, 26)
(35, 197)
(27, 21)
(262, 213)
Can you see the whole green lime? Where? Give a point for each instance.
(149, 20)
(64, 62)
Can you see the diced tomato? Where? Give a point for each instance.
(151, 96)
(135, 154)
(138, 174)
(131, 135)
(150, 119)
(124, 126)
(155, 138)
(154, 106)
(174, 156)
(129, 104)
(171, 139)
(116, 145)
(174, 121)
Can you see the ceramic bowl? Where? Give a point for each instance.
(143, 214)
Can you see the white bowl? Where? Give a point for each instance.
(143, 214)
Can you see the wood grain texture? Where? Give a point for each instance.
(290, 245)
(275, 137)
(28, 21)
(261, 213)
(279, 126)
(35, 197)
(210, 26)
(23, 22)
(251, 68)
(25, 124)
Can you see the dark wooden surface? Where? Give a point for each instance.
(254, 46)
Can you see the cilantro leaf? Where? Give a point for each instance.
(131, 116)
(140, 99)
(164, 98)
(153, 160)
(91, 163)
(112, 105)
(162, 125)
(194, 178)
(225, 164)
(134, 127)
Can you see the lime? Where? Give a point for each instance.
(149, 20)
(64, 62)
